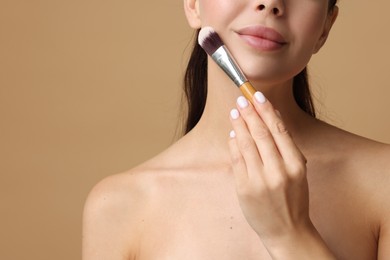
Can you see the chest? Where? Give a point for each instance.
(208, 224)
(206, 228)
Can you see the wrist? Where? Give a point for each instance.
(298, 243)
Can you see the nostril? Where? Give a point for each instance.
(274, 10)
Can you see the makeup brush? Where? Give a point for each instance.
(210, 41)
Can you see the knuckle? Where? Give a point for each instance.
(245, 144)
(236, 159)
(297, 171)
(261, 133)
(278, 127)
(278, 184)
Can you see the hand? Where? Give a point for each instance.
(270, 171)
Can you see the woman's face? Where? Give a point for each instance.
(272, 40)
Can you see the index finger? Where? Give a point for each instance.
(283, 140)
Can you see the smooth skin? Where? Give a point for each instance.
(272, 188)
(284, 185)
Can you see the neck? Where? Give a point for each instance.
(213, 129)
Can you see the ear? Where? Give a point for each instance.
(191, 8)
(332, 16)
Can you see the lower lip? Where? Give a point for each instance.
(261, 44)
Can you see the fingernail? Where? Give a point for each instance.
(234, 113)
(242, 102)
(232, 134)
(260, 98)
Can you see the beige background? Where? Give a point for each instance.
(92, 88)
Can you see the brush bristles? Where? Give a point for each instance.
(209, 40)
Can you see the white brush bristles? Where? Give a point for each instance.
(204, 33)
(209, 39)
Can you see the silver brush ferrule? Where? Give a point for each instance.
(225, 60)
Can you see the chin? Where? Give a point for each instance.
(269, 73)
(269, 77)
(262, 74)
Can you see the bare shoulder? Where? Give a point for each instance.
(120, 207)
(354, 149)
(113, 215)
(370, 160)
(364, 155)
(355, 181)
(365, 166)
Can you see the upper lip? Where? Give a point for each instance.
(262, 32)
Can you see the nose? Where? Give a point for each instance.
(274, 7)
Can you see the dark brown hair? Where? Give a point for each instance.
(195, 85)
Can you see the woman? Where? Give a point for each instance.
(284, 185)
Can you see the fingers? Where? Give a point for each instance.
(238, 163)
(262, 138)
(271, 117)
(243, 148)
(258, 131)
(268, 167)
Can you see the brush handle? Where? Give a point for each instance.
(248, 90)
